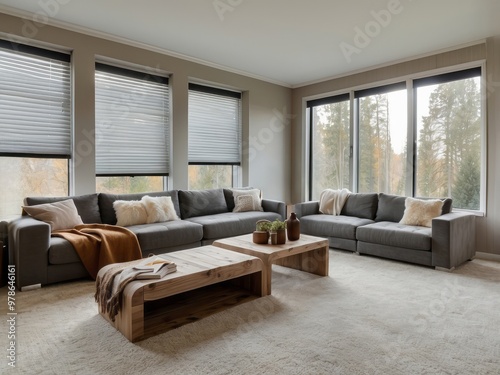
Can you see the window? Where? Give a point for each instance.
(438, 155)
(449, 137)
(214, 137)
(35, 124)
(132, 130)
(382, 128)
(330, 143)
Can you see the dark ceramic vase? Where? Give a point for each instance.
(293, 227)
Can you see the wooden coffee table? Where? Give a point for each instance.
(208, 279)
(309, 253)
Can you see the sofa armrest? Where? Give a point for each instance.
(453, 239)
(29, 242)
(270, 205)
(306, 208)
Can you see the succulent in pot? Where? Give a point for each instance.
(261, 233)
(278, 233)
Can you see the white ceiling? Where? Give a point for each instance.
(290, 42)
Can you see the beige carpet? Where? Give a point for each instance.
(370, 316)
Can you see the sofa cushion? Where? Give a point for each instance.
(166, 234)
(159, 209)
(62, 252)
(130, 212)
(447, 206)
(395, 234)
(229, 196)
(421, 212)
(231, 224)
(362, 205)
(194, 203)
(106, 200)
(86, 205)
(392, 207)
(247, 200)
(332, 226)
(59, 215)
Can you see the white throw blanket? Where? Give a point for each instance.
(331, 201)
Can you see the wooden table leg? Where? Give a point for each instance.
(319, 260)
(313, 261)
(269, 273)
(130, 320)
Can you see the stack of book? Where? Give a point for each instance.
(154, 268)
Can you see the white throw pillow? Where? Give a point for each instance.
(421, 211)
(331, 201)
(247, 200)
(159, 209)
(130, 213)
(60, 215)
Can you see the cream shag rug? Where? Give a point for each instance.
(370, 316)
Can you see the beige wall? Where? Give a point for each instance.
(262, 103)
(488, 239)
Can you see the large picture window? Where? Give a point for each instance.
(214, 137)
(330, 143)
(448, 115)
(35, 124)
(132, 130)
(382, 129)
(438, 155)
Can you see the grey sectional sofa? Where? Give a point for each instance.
(206, 215)
(369, 224)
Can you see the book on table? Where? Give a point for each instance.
(155, 268)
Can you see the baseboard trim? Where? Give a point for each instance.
(488, 256)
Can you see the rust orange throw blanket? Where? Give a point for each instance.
(101, 244)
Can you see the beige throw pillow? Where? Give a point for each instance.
(421, 211)
(130, 213)
(159, 209)
(60, 215)
(247, 200)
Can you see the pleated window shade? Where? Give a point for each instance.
(35, 102)
(214, 126)
(132, 112)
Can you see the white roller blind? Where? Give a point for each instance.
(35, 102)
(214, 126)
(132, 123)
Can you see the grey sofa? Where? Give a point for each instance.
(206, 215)
(369, 224)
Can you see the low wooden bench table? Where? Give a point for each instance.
(208, 279)
(308, 253)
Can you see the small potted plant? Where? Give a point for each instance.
(261, 233)
(278, 233)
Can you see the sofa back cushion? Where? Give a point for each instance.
(447, 206)
(362, 205)
(106, 200)
(201, 202)
(392, 207)
(86, 205)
